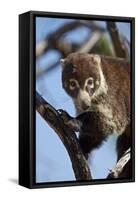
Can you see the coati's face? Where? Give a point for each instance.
(81, 78)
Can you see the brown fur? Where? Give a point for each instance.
(117, 75)
(116, 101)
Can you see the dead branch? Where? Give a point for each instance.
(76, 24)
(91, 42)
(41, 72)
(114, 34)
(123, 162)
(67, 136)
(64, 48)
(53, 39)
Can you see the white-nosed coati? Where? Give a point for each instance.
(100, 89)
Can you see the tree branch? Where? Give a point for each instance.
(42, 72)
(67, 136)
(117, 171)
(52, 41)
(91, 42)
(114, 34)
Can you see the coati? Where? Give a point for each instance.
(100, 89)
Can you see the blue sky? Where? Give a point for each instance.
(52, 160)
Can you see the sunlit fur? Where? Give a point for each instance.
(103, 105)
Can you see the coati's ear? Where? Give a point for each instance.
(62, 62)
(96, 59)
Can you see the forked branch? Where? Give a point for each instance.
(67, 136)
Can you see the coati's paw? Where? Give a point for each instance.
(64, 115)
(71, 122)
(75, 125)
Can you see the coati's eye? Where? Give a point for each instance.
(90, 82)
(73, 84)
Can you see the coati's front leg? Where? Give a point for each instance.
(91, 134)
(74, 124)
